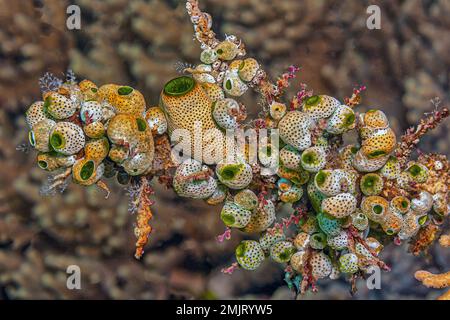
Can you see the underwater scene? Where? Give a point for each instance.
(215, 150)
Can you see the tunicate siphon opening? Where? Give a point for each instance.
(179, 86)
(141, 124)
(423, 219)
(228, 84)
(312, 100)
(349, 119)
(318, 237)
(414, 170)
(377, 209)
(230, 171)
(377, 153)
(286, 254)
(321, 176)
(369, 181)
(123, 178)
(240, 250)
(46, 105)
(228, 219)
(31, 138)
(42, 164)
(125, 90)
(57, 140)
(309, 157)
(87, 170)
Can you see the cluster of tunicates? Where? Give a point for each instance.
(348, 201)
(357, 197)
(94, 132)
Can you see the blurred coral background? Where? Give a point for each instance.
(137, 42)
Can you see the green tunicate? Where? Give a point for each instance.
(141, 124)
(349, 119)
(42, 164)
(377, 153)
(228, 85)
(31, 138)
(309, 157)
(246, 199)
(230, 171)
(415, 170)
(240, 250)
(228, 219)
(318, 241)
(360, 221)
(87, 170)
(418, 172)
(371, 184)
(57, 141)
(321, 177)
(423, 219)
(124, 91)
(47, 103)
(179, 86)
(311, 101)
(286, 254)
(322, 141)
(377, 209)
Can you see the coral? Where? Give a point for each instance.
(413, 136)
(142, 39)
(27, 31)
(438, 281)
(141, 207)
(433, 280)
